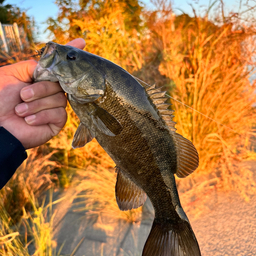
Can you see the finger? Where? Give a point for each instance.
(39, 90)
(54, 101)
(55, 118)
(78, 43)
(22, 70)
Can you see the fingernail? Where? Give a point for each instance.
(27, 94)
(21, 108)
(30, 119)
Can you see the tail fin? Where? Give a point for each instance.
(167, 239)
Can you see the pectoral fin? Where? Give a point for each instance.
(128, 194)
(105, 122)
(187, 156)
(81, 137)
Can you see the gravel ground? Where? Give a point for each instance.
(229, 229)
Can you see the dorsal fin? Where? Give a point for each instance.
(157, 95)
(149, 87)
(163, 106)
(159, 99)
(187, 155)
(153, 89)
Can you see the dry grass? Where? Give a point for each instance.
(34, 233)
(10, 242)
(202, 65)
(107, 36)
(209, 68)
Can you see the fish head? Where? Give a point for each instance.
(72, 68)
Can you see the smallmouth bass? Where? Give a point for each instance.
(134, 126)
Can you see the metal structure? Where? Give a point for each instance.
(12, 38)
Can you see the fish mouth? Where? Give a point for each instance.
(49, 49)
(48, 60)
(44, 74)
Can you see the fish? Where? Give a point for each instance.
(134, 125)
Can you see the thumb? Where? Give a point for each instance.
(78, 43)
(22, 70)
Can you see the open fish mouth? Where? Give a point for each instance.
(48, 49)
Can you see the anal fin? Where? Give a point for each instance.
(128, 194)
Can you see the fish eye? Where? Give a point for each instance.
(71, 55)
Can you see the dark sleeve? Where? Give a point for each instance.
(12, 154)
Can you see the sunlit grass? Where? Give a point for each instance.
(10, 240)
(209, 67)
(34, 233)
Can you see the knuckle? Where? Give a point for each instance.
(56, 116)
(62, 117)
(46, 88)
(61, 99)
(55, 129)
(32, 107)
(40, 89)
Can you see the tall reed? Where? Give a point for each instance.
(209, 66)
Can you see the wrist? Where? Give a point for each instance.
(10, 138)
(8, 130)
(12, 154)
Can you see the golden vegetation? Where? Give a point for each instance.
(34, 233)
(209, 67)
(204, 63)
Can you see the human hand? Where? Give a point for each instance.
(33, 113)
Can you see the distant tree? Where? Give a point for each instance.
(65, 27)
(11, 13)
(111, 29)
(5, 11)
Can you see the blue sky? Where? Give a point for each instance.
(42, 9)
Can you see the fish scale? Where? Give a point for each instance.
(125, 119)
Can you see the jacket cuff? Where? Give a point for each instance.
(12, 154)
